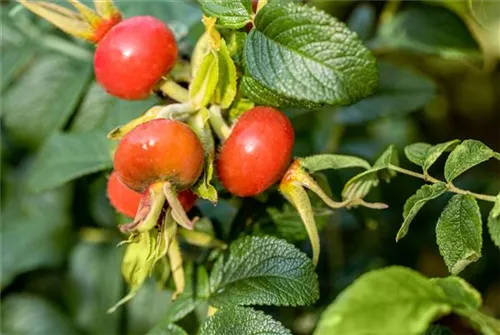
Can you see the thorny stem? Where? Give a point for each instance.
(217, 122)
(451, 187)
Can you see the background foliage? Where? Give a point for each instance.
(438, 64)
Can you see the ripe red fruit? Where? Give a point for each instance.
(126, 201)
(133, 56)
(159, 150)
(257, 152)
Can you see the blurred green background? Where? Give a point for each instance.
(60, 269)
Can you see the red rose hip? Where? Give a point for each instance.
(257, 152)
(133, 56)
(160, 150)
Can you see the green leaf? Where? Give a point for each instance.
(169, 329)
(53, 94)
(328, 161)
(459, 293)
(232, 14)
(242, 321)
(264, 271)
(68, 156)
(205, 81)
(401, 91)
(393, 300)
(203, 187)
(458, 232)
(494, 222)
(181, 307)
(436, 151)
(417, 152)
(14, 60)
(92, 292)
(359, 186)
(438, 330)
(416, 202)
(225, 92)
(416, 29)
(25, 314)
(102, 111)
(290, 226)
(466, 155)
(39, 221)
(327, 65)
(240, 106)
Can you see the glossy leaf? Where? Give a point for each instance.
(264, 271)
(458, 232)
(466, 155)
(392, 300)
(229, 13)
(416, 202)
(67, 156)
(401, 91)
(242, 321)
(327, 65)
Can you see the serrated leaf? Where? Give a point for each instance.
(415, 29)
(43, 99)
(494, 222)
(401, 91)
(417, 152)
(232, 14)
(459, 293)
(169, 329)
(262, 95)
(458, 232)
(102, 111)
(359, 186)
(203, 86)
(30, 315)
(302, 53)
(242, 321)
(264, 271)
(438, 330)
(436, 151)
(416, 202)
(67, 156)
(466, 155)
(91, 292)
(225, 92)
(393, 300)
(329, 161)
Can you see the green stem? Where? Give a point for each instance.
(180, 111)
(218, 123)
(178, 213)
(451, 187)
(175, 258)
(175, 91)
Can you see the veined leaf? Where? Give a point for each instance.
(494, 222)
(328, 161)
(417, 152)
(242, 321)
(232, 14)
(301, 53)
(466, 155)
(393, 300)
(68, 156)
(416, 202)
(436, 151)
(205, 81)
(264, 271)
(458, 232)
(225, 92)
(459, 293)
